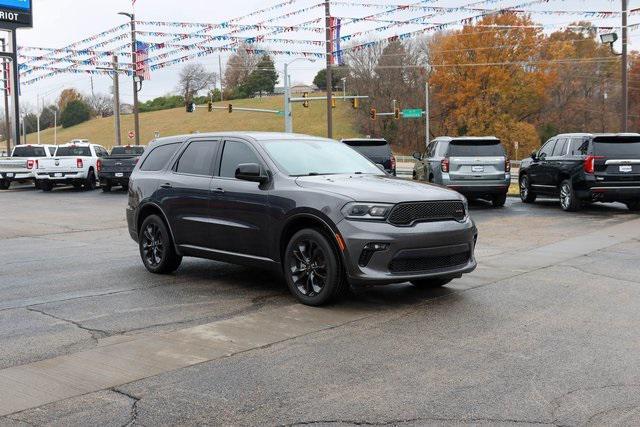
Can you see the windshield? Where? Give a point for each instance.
(475, 148)
(134, 151)
(619, 147)
(29, 152)
(73, 150)
(308, 157)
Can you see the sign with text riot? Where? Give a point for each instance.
(16, 12)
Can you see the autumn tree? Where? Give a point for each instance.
(66, 96)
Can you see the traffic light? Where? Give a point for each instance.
(333, 103)
(230, 108)
(373, 113)
(210, 106)
(396, 114)
(355, 103)
(190, 107)
(305, 104)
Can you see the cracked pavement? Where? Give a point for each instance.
(515, 342)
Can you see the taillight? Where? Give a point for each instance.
(393, 162)
(507, 165)
(99, 165)
(31, 164)
(79, 163)
(444, 165)
(590, 163)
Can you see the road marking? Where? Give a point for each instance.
(36, 384)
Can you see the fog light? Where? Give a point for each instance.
(369, 250)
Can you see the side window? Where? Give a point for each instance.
(159, 157)
(579, 147)
(235, 153)
(441, 149)
(547, 149)
(430, 147)
(198, 158)
(52, 151)
(561, 148)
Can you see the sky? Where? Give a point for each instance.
(61, 22)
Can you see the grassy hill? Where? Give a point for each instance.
(176, 121)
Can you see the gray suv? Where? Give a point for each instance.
(477, 167)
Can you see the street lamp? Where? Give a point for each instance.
(288, 122)
(610, 39)
(136, 79)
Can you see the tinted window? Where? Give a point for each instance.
(373, 149)
(617, 147)
(547, 149)
(73, 150)
(440, 149)
(131, 151)
(29, 152)
(159, 157)
(198, 158)
(101, 152)
(431, 149)
(318, 157)
(475, 148)
(561, 147)
(578, 147)
(235, 153)
(52, 150)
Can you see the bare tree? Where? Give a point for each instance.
(239, 67)
(101, 105)
(193, 79)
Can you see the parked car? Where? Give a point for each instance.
(477, 167)
(117, 167)
(22, 163)
(582, 168)
(311, 208)
(375, 149)
(76, 163)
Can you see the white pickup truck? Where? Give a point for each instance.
(22, 164)
(76, 163)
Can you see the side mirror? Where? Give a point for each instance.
(534, 155)
(251, 172)
(417, 156)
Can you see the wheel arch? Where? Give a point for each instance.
(151, 208)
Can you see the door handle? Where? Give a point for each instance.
(218, 190)
(166, 185)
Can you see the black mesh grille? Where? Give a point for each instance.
(404, 265)
(408, 213)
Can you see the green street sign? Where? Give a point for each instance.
(412, 113)
(280, 113)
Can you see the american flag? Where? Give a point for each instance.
(142, 54)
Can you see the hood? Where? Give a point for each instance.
(377, 188)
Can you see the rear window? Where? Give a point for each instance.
(475, 148)
(159, 157)
(73, 150)
(29, 152)
(370, 147)
(620, 147)
(129, 151)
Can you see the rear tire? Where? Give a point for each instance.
(156, 247)
(313, 269)
(90, 182)
(4, 184)
(568, 200)
(45, 186)
(526, 195)
(499, 200)
(434, 282)
(633, 206)
(106, 186)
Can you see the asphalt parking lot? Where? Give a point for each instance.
(545, 331)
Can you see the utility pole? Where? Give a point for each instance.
(134, 60)
(55, 126)
(7, 120)
(116, 99)
(38, 117)
(625, 76)
(329, 44)
(220, 68)
(427, 123)
(288, 125)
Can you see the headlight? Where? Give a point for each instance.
(367, 211)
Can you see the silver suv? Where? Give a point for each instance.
(477, 167)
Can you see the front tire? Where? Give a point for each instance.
(499, 200)
(312, 268)
(633, 206)
(526, 195)
(434, 282)
(568, 200)
(156, 247)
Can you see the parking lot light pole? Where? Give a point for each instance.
(288, 114)
(134, 61)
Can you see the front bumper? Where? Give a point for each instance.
(429, 249)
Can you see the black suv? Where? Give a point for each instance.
(583, 168)
(310, 208)
(375, 149)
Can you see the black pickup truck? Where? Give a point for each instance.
(117, 167)
(582, 168)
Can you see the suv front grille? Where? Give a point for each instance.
(407, 265)
(409, 213)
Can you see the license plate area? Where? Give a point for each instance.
(58, 175)
(477, 168)
(626, 168)
(119, 174)
(10, 175)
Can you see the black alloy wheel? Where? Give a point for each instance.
(568, 200)
(312, 268)
(526, 195)
(156, 248)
